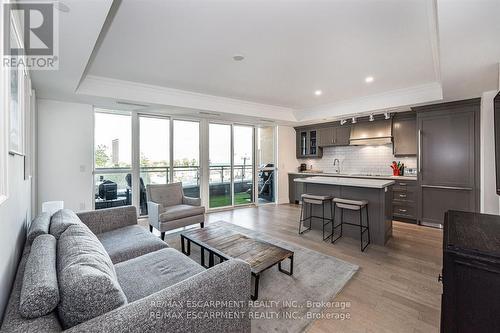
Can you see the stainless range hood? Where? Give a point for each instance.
(378, 132)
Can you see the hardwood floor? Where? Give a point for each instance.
(396, 287)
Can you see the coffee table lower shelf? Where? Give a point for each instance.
(277, 256)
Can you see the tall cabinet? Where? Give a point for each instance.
(448, 159)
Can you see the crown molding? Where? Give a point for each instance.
(425, 93)
(151, 94)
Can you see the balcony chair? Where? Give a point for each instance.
(142, 194)
(169, 209)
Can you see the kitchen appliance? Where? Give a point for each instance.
(303, 167)
(496, 103)
(371, 133)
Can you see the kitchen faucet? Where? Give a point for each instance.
(337, 170)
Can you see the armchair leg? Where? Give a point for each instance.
(202, 225)
(163, 236)
(150, 228)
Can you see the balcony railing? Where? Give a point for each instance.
(219, 180)
(188, 175)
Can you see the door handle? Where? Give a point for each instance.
(402, 210)
(402, 195)
(419, 151)
(448, 187)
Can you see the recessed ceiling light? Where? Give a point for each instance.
(369, 79)
(238, 57)
(318, 93)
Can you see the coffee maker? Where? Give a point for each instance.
(303, 167)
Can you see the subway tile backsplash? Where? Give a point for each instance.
(359, 159)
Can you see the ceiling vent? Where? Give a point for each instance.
(132, 104)
(213, 114)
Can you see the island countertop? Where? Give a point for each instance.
(354, 182)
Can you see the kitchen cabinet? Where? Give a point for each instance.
(404, 201)
(334, 136)
(448, 159)
(307, 143)
(404, 132)
(471, 273)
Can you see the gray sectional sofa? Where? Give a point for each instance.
(100, 271)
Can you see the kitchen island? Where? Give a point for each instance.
(378, 193)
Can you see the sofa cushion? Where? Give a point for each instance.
(40, 292)
(165, 194)
(88, 285)
(129, 242)
(39, 226)
(12, 319)
(61, 220)
(180, 212)
(147, 274)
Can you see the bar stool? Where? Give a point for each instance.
(315, 200)
(352, 205)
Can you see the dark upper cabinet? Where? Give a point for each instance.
(334, 136)
(326, 136)
(342, 135)
(404, 132)
(307, 143)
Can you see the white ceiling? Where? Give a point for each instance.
(469, 33)
(292, 48)
(179, 53)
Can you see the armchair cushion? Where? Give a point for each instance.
(191, 201)
(129, 242)
(165, 194)
(147, 274)
(180, 211)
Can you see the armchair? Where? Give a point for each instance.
(169, 209)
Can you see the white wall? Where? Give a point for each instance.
(15, 214)
(287, 162)
(15, 210)
(65, 153)
(489, 198)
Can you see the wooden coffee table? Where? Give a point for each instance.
(228, 244)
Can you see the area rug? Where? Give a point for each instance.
(289, 303)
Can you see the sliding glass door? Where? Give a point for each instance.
(230, 164)
(154, 163)
(219, 183)
(160, 149)
(243, 164)
(186, 156)
(112, 159)
(266, 165)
